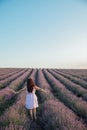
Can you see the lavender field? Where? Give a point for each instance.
(63, 107)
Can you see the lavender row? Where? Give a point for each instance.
(6, 97)
(55, 116)
(55, 113)
(15, 116)
(79, 73)
(76, 104)
(33, 74)
(10, 74)
(41, 82)
(18, 83)
(72, 86)
(4, 83)
(76, 89)
(4, 71)
(74, 79)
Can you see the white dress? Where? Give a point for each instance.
(31, 100)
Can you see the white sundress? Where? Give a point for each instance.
(31, 100)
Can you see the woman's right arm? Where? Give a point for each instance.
(16, 92)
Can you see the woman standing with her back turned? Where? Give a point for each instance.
(31, 98)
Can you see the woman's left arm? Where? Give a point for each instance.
(38, 88)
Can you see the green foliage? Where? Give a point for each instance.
(6, 104)
(1, 86)
(5, 123)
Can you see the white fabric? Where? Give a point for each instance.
(31, 100)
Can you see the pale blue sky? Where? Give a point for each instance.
(43, 33)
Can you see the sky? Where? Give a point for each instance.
(43, 33)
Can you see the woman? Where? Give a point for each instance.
(31, 98)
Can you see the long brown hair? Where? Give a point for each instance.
(30, 85)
